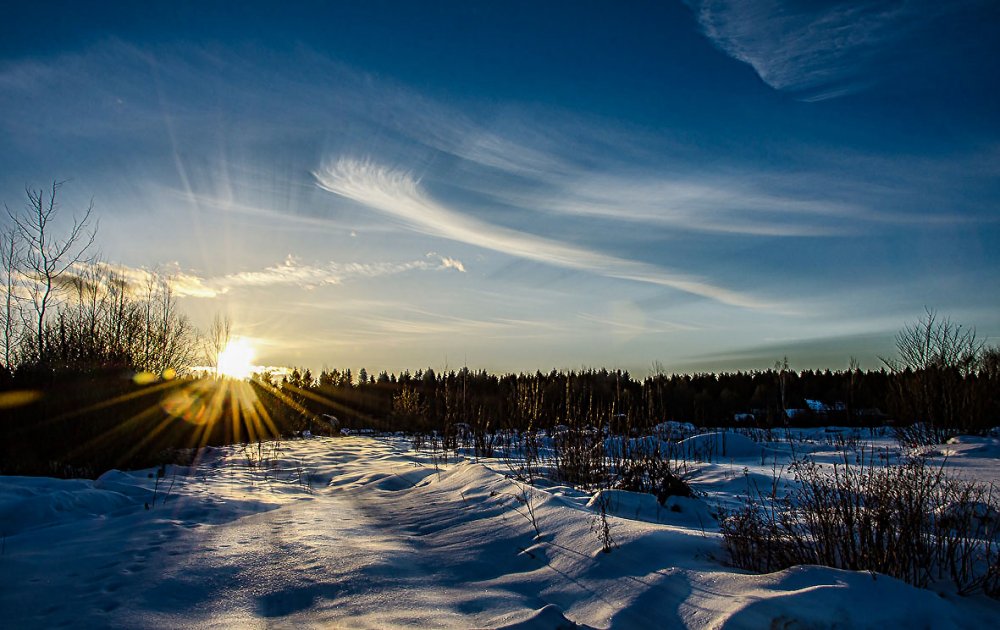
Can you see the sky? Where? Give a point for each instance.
(695, 186)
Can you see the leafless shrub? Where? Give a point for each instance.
(525, 496)
(754, 537)
(920, 434)
(417, 440)
(648, 471)
(110, 320)
(520, 454)
(579, 455)
(600, 527)
(906, 520)
(439, 452)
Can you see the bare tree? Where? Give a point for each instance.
(172, 337)
(781, 368)
(937, 357)
(217, 339)
(854, 370)
(933, 342)
(46, 257)
(10, 315)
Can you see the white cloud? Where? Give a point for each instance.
(398, 194)
(181, 283)
(448, 262)
(190, 285)
(743, 201)
(290, 272)
(637, 323)
(720, 204)
(505, 154)
(819, 52)
(542, 152)
(295, 273)
(452, 263)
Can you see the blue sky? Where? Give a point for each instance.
(521, 186)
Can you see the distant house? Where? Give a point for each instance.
(818, 406)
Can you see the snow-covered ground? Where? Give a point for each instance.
(363, 532)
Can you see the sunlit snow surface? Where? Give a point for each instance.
(362, 532)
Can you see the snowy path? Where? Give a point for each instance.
(360, 533)
(243, 550)
(320, 555)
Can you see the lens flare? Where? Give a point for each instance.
(18, 398)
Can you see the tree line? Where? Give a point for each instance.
(943, 380)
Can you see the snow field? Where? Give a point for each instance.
(363, 532)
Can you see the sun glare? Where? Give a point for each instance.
(236, 360)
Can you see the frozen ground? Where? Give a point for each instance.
(362, 532)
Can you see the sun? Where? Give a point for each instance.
(236, 360)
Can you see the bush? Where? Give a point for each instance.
(652, 474)
(907, 520)
(579, 456)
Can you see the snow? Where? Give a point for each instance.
(363, 532)
(683, 511)
(722, 445)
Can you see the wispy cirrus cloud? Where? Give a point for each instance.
(566, 164)
(743, 204)
(293, 272)
(399, 194)
(641, 326)
(724, 205)
(290, 272)
(817, 51)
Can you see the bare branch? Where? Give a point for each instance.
(45, 257)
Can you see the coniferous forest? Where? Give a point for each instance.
(104, 418)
